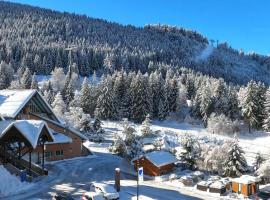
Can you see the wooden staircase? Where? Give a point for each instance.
(21, 164)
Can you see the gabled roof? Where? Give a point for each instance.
(160, 158)
(13, 101)
(30, 129)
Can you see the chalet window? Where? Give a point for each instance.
(48, 154)
(59, 152)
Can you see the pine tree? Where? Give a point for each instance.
(252, 104)
(266, 121)
(146, 127)
(48, 96)
(140, 105)
(59, 105)
(236, 163)
(85, 96)
(26, 79)
(105, 108)
(34, 83)
(68, 90)
(191, 153)
(173, 94)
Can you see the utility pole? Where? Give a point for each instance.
(138, 162)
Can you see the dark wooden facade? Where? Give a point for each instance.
(150, 169)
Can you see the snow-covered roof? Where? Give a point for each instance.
(246, 179)
(160, 158)
(66, 127)
(217, 185)
(59, 138)
(12, 101)
(30, 129)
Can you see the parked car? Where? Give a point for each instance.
(92, 196)
(62, 196)
(106, 190)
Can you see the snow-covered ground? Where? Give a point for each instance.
(251, 143)
(10, 183)
(74, 176)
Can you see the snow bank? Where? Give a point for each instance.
(10, 184)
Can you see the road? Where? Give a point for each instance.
(75, 176)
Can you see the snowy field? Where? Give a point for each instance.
(251, 143)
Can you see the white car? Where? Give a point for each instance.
(92, 196)
(106, 190)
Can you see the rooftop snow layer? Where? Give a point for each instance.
(160, 158)
(30, 129)
(246, 179)
(12, 101)
(59, 138)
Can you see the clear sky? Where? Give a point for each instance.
(244, 24)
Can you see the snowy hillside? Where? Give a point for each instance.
(41, 39)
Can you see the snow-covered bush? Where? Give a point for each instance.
(78, 119)
(258, 161)
(214, 158)
(146, 127)
(191, 153)
(220, 124)
(119, 147)
(128, 145)
(264, 171)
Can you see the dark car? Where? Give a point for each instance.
(264, 195)
(62, 196)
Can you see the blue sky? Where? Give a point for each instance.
(244, 24)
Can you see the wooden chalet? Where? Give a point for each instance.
(30, 131)
(155, 163)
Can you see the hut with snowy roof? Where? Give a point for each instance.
(246, 185)
(155, 163)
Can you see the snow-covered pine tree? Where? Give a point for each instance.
(119, 90)
(174, 94)
(146, 127)
(128, 132)
(6, 75)
(76, 101)
(59, 105)
(156, 83)
(48, 96)
(26, 79)
(252, 100)
(3, 84)
(68, 90)
(85, 96)
(58, 79)
(191, 152)
(235, 164)
(34, 82)
(140, 105)
(206, 102)
(266, 121)
(105, 108)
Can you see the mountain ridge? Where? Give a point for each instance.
(36, 38)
